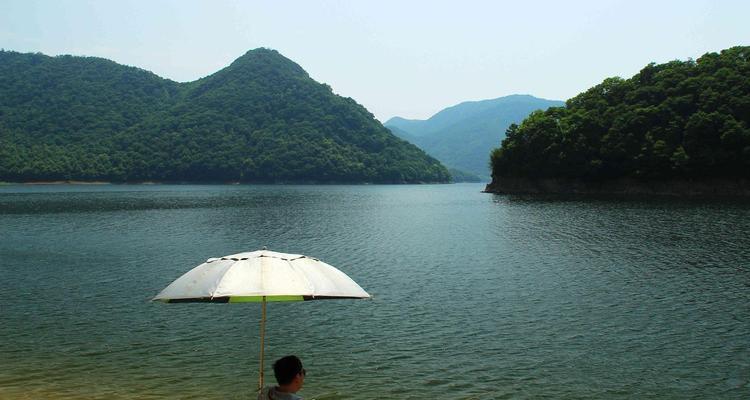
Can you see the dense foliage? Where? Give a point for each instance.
(261, 119)
(682, 119)
(461, 136)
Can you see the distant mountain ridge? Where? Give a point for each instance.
(260, 119)
(463, 135)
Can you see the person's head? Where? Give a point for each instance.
(289, 372)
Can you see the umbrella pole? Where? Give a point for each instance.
(262, 337)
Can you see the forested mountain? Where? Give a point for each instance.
(679, 120)
(463, 135)
(261, 119)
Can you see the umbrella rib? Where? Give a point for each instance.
(309, 284)
(219, 282)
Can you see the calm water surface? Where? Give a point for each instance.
(476, 296)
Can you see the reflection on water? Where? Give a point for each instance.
(475, 295)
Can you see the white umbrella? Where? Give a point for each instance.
(261, 276)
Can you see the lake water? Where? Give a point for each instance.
(476, 296)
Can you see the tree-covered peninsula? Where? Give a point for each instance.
(683, 121)
(261, 119)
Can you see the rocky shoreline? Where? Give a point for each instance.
(624, 186)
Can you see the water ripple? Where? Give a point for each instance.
(475, 295)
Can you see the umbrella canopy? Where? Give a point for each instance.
(261, 276)
(249, 277)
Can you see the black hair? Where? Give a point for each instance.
(286, 368)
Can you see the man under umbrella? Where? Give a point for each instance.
(259, 277)
(290, 376)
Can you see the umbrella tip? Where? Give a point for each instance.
(264, 248)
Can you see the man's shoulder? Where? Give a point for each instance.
(270, 393)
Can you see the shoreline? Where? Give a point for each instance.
(59, 183)
(692, 188)
(75, 182)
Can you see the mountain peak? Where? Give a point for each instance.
(257, 69)
(264, 57)
(261, 52)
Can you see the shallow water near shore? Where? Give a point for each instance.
(475, 296)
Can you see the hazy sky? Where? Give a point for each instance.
(405, 58)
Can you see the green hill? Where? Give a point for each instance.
(679, 120)
(463, 135)
(261, 119)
